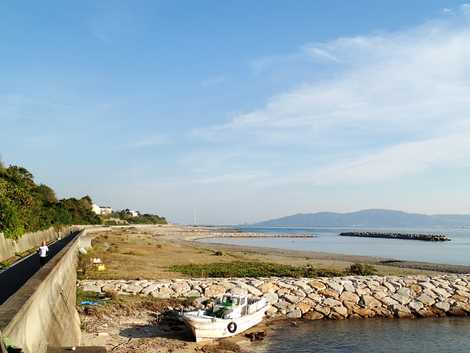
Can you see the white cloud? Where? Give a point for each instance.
(405, 94)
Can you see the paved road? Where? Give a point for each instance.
(13, 278)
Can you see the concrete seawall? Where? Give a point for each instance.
(43, 311)
(329, 298)
(9, 247)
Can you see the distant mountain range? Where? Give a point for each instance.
(368, 218)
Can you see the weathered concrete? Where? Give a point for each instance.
(43, 311)
(10, 247)
(331, 298)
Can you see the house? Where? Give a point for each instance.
(101, 210)
(134, 213)
(96, 209)
(106, 210)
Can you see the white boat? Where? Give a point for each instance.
(231, 315)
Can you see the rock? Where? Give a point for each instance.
(180, 288)
(390, 287)
(337, 287)
(315, 297)
(286, 285)
(268, 287)
(323, 309)
(330, 293)
(444, 306)
(150, 288)
(256, 282)
(313, 315)
(415, 289)
(163, 293)
(253, 290)
(389, 301)
(368, 301)
(228, 285)
(317, 285)
(109, 288)
(292, 298)
(90, 287)
(406, 292)
(402, 311)
(271, 298)
(363, 312)
(304, 307)
(214, 290)
(238, 291)
(416, 305)
(363, 291)
(341, 311)
(402, 299)
(459, 298)
(304, 286)
(294, 314)
(272, 311)
(330, 302)
(192, 294)
(281, 304)
(283, 291)
(425, 299)
(349, 297)
(441, 292)
(131, 288)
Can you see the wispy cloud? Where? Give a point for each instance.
(405, 94)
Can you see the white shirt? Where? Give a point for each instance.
(43, 251)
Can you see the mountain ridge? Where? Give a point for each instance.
(368, 218)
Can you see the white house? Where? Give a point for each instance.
(101, 210)
(105, 210)
(95, 208)
(133, 213)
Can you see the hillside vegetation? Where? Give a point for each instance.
(27, 207)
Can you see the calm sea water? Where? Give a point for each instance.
(456, 252)
(443, 335)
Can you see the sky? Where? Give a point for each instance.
(226, 112)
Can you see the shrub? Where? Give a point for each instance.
(361, 270)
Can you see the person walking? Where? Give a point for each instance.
(43, 250)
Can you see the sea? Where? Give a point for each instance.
(327, 239)
(438, 335)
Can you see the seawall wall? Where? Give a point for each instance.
(10, 247)
(329, 298)
(43, 312)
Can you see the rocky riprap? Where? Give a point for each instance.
(405, 236)
(331, 298)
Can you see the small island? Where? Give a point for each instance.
(406, 236)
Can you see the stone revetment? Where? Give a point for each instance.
(330, 298)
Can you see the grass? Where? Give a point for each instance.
(252, 269)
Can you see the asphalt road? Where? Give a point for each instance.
(14, 277)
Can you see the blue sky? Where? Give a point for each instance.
(240, 110)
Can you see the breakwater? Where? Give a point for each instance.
(335, 298)
(406, 236)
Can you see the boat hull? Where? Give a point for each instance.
(209, 328)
